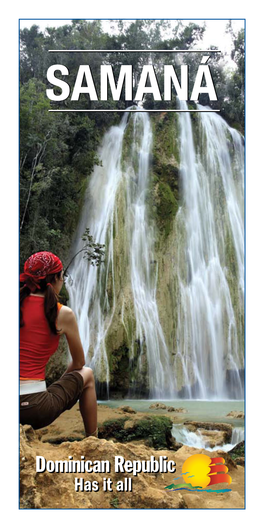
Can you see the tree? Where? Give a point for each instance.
(58, 151)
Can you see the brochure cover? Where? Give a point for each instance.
(132, 174)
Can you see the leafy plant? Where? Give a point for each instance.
(114, 502)
(93, 251)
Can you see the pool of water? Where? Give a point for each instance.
(198, 410)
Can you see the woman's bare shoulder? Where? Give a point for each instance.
(65, 317)
(65, 312)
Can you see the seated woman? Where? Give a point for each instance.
(42, 321)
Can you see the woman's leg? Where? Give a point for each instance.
(88, 402)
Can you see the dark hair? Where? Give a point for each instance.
(50, 300)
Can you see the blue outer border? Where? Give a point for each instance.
(156, 18)
(245, 268)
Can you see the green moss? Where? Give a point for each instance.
(156, 430)
(231, 260)
(163, 197)
(113, 426)
(167, 206)
(238, 451)
(165, 136)
(127, 142)
(196, 129)
(163, 194)
(114, 503)
(118, 361)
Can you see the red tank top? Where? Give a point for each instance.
(37, 342)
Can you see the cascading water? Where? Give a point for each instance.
(210, 221)
(143, 279)
(196, 439)
(116, 304)
(89, 292)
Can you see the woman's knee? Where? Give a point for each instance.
(88, 377)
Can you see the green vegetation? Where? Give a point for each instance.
(237, 451)
(93, 252)
(56, 156)
(155, 430)
(114, 503)
(234, 109)
(164, 191)
(59, 150)
(119, 367)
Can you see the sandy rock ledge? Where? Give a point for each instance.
(57, 490)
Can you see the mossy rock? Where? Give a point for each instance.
(238, 451)
(119, 369)
(154, 430)
(163, 198)
(166, 205)
(119, 360)
(165, 136)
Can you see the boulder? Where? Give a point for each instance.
(204, 427)
(180, 410)
(158, 406)
(213, 438)
(240, 461)
(129, 424)
(154, 431)
(127, 409)
(236, 414)
(238, 451)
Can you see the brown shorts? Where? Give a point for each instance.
(42, 408)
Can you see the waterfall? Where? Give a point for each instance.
(89, 287)
(238, 435)
(200, 355)
(210, 222)
(196, 439)
(149, 332)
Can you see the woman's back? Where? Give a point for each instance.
(42, 321)
(37, 342)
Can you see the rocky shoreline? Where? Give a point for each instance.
(134, 436)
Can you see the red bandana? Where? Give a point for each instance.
(38, 266)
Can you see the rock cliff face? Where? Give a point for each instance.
(57, 490)
(162, 201)
(164, 315)
(171, 260)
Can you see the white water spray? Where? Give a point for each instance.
(88, 292)
(196, 439)
(211, 224)
(89, 295)
(149, 332)
(208, 267)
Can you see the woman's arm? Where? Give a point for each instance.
(67, 324)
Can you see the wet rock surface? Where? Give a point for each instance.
(169, 408)
(236, 414)
(57, 490)
(215, 433)
(65, 437)
(127, 409)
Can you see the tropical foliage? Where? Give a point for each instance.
(59, 150)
